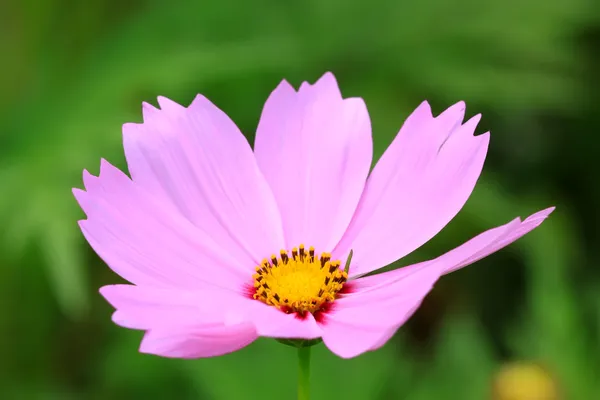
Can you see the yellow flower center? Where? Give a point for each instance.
(303, 283)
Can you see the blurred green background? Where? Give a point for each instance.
(73, 71)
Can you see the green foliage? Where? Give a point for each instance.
(76, 71)
(463, 350)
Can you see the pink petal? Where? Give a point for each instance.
(474, 250)
(157, 308)
(366, 319)
(197, 342)
(140, 307)
(270, 322)
(421, 182)
(315, 150)
(182, 323)
(146, 241)
(198, 159)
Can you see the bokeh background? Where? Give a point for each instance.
(527, 318)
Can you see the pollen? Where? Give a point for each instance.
(303, 282)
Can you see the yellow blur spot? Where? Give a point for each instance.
(524, 381)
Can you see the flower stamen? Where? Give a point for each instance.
(301, 283)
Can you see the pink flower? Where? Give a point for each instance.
(210, 233)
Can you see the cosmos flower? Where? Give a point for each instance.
(223, 244)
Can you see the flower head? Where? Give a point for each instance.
(223, 244)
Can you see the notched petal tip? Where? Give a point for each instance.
(284, 88)
(168, 105)
(89, 180)
(419, 116)
(545, 212)
(116, 294)
(83, 199)
(147, 107)
(537, 217)
(328, 82)
(79, 194)
(484, 140)
(199, 101)
(109, 173)
(424, 108)
(327, 79)
(119, 319)
(304, 86)
(473, 122)
(106, 291)
(326, 85)
(540, 215)
(459, 106)
(454, 112)
(104, 165)
(148, 110)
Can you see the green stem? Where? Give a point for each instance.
(303, 373)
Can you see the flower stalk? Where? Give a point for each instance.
(304, 373)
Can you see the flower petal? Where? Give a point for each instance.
(197, 342)
(315, 150)
(150, 308)
(364, 320)
(271, 322)
(198, 158)
(180, 323)
(419, 184)
(380, 304)
(146, 241)
(140, 307)
(473, 250)
(490, 241)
